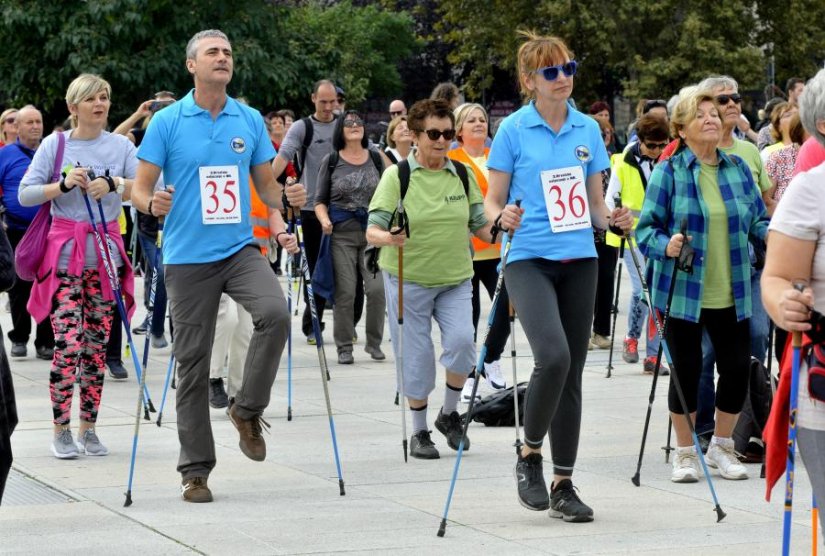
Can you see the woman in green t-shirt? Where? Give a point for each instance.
(437, 268)
(715, 195)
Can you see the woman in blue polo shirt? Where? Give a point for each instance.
(550, 156)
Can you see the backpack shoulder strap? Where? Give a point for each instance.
(333, 162)
(404, 177)
(376, 160)
(300, 162)
(461, 170)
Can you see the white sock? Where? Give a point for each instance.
(419, 419)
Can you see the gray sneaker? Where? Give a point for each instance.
(159, 342)
(63, 446)
(90, 444)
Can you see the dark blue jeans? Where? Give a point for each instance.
(149, 248)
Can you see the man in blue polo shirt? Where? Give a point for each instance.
(14, 162)
(209, 146)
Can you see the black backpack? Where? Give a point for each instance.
(372, 252)
(496, 410)
(375, 156)
(300, 157)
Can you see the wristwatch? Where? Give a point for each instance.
(121, 185)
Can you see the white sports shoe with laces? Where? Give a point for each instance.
(721, 456)
(685, 466)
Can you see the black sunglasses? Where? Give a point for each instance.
(397, 113)
(551, 73)
(724, 99)
(655, 146)
(434, 134)
(353, 122)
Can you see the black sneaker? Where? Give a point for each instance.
(142, 327)
(45, 353)
(18, 349)
(421, 447)
(566, 504)
(217, 395)
(451, 427)
(117, 370)
(532, 490)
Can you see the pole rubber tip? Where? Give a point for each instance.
(404, 443)
(146, 414)
(442, 528)
(289, 414)
(635, 480)
(152, 407)
(720, 515)
(128, 499)
(160, 418)
(341, 487)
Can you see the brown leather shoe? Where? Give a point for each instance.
(251, 438)
(195, 490)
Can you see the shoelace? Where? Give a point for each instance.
(686, 459)
(424, 439)
(65, 437)
(728, 455)
(568, 495)
(534, 470)
(257, 429)
(91, 436)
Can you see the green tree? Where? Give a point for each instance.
(138, 46)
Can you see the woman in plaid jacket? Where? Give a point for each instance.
(715, 195)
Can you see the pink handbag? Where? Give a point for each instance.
(32, 247)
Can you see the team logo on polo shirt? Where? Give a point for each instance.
(238, 144)
(583, 153)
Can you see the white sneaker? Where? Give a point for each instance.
(685, 466)
(722, 457)
(467, 391)
(494, 376)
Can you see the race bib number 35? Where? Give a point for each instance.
(565, 193)
(220, 195)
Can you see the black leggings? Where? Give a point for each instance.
(604, 288)
(732, 345)
(554, 302)
(485, 273)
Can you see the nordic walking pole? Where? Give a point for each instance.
(290, 262)
(508, 240)
(107, 263)
(402, 226)
(152, 290)
(169, 374)
(684, 263)
(319, 345)
(667, 447)
(114, 281)
(515, 377)
(615, 307)
(814, 526)
(790, 464)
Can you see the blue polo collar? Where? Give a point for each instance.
(574, 119)
(190, 108)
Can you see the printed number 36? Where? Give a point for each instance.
(227, 193)
(575, 203)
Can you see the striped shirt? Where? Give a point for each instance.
(673, 195)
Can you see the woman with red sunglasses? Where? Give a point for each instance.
(551, 157)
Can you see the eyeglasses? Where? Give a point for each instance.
(353, 122)
(434, 134)
(9, 120)
(655, 146)
(397, 113)
(551, 73)
(725, 99)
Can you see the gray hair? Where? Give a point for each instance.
(812, 105)
(192, 45)
(715, 82)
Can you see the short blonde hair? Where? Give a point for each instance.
(776, 116)
(3, 117)
(391, 129)
(84, 86)
(463, 112)
(536, 52)
(685, 110)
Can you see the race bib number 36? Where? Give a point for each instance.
(565, 193)
(220, 195)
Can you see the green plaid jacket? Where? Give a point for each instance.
(673, 195)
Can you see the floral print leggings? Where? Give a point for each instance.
(81, 320)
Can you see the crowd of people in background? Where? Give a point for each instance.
(559, 186)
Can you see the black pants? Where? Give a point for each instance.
(20, 318)
(312, 243)
(485, 273)
(605, 283)
(554, 302)
(8, 417)
(732, 345)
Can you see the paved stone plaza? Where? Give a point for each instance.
(290, 503)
